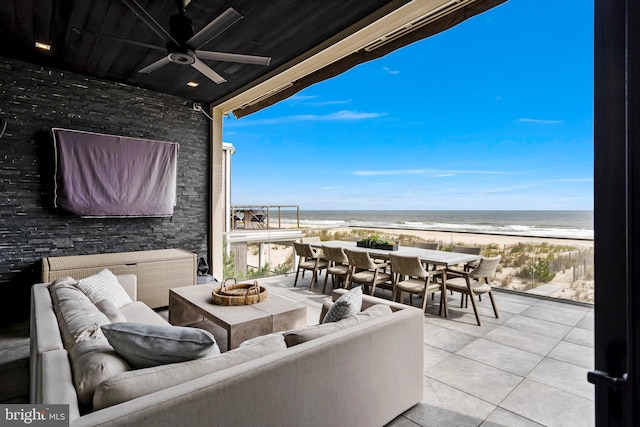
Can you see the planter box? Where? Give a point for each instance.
(389, 247)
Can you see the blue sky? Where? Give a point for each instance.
(495, 113)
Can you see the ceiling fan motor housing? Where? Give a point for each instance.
(180, 28)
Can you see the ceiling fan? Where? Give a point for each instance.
(182, 46)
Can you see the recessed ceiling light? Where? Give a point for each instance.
(192, 84)
(43, 46)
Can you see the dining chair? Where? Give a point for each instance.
(258, 218)
(475, 282)
(409, 275)
(237, 220)
(471, 250)
(338, 265)
(427, 245)
(434, 246)
(309, 260)
(467, 250)
(363, 270)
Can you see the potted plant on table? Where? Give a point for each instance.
(374, 241)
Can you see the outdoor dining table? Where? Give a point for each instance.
(430, 256)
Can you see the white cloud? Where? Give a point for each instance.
(391, 172)
(344, 115)
(390, 71)
(540, 122)
(307, 99)
(301, 97)
(532, 184)
(569, 180)
(436, 173)
(326, 103)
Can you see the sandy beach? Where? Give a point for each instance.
(471, 239)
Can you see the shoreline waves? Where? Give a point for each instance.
(573, 225)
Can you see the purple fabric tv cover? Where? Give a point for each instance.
(106, 175)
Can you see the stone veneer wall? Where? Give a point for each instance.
(34, 99)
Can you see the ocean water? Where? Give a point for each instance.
(559, 224)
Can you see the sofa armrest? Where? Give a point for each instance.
(57, 382)
(44, 336)
(130, 284)
(325, 309)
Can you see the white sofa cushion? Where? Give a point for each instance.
(132, 384)
(104, 285)
(139, 312)
(110, 310)
(144, 345)
(93, 360)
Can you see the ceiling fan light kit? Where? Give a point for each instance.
(182, 46)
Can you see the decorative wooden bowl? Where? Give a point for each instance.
(239, 293)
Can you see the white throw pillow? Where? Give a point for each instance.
(144, 345)
(345, 306)
(104, 285)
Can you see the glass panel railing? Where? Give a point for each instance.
(556, 268)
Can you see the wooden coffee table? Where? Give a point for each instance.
(190, 304)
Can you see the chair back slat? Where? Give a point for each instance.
(427, 245)
(466, 250)
(335, 254)
(305, 250)
(409, 265)
(360, 259)
(486, 268)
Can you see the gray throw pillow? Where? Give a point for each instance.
(345, 306)
(144, 345)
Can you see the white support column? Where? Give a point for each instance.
(228, 150)
(260, 255)
(217, 190)
(295, 258)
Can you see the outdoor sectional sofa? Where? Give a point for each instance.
(359, 373)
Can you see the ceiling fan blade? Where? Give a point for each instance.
(152, 67)
(233, 57)
(214, 28)
(204, 69)
(119, 39)
(148, 19)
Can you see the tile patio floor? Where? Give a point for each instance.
(527, 368)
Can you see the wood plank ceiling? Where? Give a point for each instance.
(86, 37)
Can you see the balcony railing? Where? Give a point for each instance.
(260, 216)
